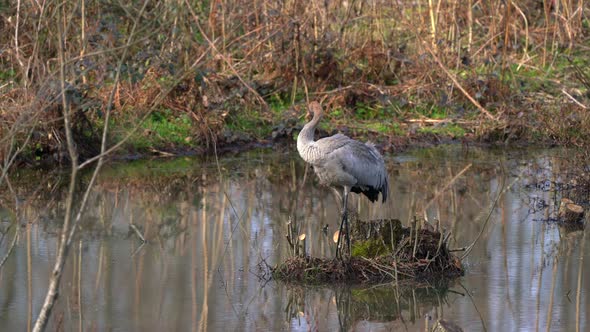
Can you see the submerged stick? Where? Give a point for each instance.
(134, 228)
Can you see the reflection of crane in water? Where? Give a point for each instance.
(340, 161)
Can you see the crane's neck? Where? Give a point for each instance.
(305, 138)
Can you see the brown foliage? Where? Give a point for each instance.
(358, 52)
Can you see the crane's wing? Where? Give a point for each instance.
(327, 145)
(366, 165)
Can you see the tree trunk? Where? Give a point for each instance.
(570, 212)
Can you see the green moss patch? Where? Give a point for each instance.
(369, 249)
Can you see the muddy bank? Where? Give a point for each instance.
(396, 144)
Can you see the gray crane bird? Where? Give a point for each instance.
(340, 161)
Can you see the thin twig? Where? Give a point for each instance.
(458, 249)
(574, 99)
(379, 267)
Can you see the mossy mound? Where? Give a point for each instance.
(412, 255)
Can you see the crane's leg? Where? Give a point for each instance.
(342, 223)
(345, 208)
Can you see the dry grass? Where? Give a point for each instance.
(468, 58)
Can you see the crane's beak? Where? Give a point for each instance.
(308, 115)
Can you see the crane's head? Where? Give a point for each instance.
(315, 109)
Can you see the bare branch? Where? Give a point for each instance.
(62, 252)
(67, 233)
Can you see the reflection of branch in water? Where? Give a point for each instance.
(136, 251)
(505, 220)
(483, 322)
(233, 228)
(79, 272)
(203, 317)
(20, 208)
(295, 307)
(231, 204)
(29, 280)
(579, 288)
(540, 278)
(445, 187)
(488, 217)
(10, 249)
(293, 226)
(344, 306)
(551, 295)
(298, 189)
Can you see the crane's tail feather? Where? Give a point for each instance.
(372, 193)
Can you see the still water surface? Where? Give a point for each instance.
(209, 227)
